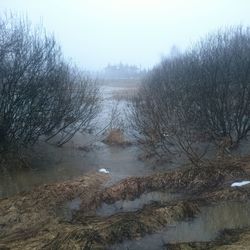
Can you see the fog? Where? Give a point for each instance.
(94, 33)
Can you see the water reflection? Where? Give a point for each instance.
(208, 224)
(58, 164)
(136, 204)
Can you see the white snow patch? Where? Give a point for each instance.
(239, 184)
(103, 170)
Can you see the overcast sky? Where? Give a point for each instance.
(97, 32)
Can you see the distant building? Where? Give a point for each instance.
(122, 71)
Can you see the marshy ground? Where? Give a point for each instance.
(70, 205)
(200, 205)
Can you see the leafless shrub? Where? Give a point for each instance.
(41, 95)
(201, 95)
(222, 84)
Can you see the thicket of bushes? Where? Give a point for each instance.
(41, 94)
(200, 95)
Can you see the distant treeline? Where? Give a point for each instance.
(120, 71)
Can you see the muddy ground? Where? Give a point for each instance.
(63, 215)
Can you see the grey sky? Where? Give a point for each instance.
(96, 32)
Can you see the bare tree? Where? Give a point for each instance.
(223, 84)
(41, 95)
(201, 95)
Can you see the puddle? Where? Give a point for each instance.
(67, 210)
(208, 224)
(136, 204)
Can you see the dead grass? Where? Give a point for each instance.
(116, 137)
(99, 233)
(228, 194)
(30, 212)
(191, 180)
(30, 221)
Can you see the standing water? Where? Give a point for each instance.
(206, 227)
(83, 154)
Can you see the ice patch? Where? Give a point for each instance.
(103, 170)
(239, 184)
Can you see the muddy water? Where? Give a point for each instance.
(87, 153)
(67, 210)
(206, 227)
(136, 204)
(56, 164)
(50, 163)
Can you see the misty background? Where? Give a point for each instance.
(95, 33)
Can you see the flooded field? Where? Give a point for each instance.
(86, 152)
(125, 125)
(138, 213)
(134, 213)
(136, 204)
(67, 163)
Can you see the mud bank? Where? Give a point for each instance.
(35, 220)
